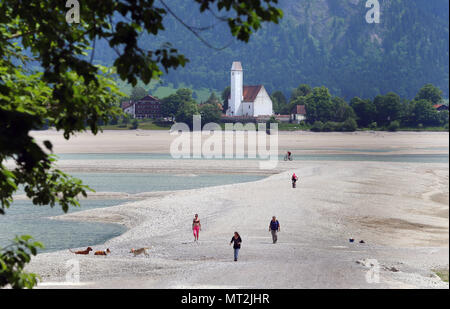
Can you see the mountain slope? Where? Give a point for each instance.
(319, 42)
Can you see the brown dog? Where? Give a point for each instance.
(106, 252)
(85, 252)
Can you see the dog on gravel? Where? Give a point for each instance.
(85, 252)
(104, 252)
(136, 252)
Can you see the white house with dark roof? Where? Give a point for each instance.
(252, 101)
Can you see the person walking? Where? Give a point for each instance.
(236, 241)
(294, 179)
(196, 227)
(274, 228)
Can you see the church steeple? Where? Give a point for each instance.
(237, 80)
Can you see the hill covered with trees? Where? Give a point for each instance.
(319, 43)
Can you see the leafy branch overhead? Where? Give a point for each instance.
(71, 94)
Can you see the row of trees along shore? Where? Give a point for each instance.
(324, 112)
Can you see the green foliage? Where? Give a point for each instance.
(330, 126)
(225, 94)
(430, 93)
(394, 126)
(73, 94)
(318, 43)
(137, 93)
(13, 259)
(210, 112)
(317, 126)
(172, 103)
(126, 119)
(186, 111)
(301, 91)
(424, 113)
(365, 111)
(349, 125)
(280, 104)
(388, 108)
(134, 124)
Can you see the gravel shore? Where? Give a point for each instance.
(400, 210)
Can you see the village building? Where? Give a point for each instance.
(298, 114)
(147, 107)
(441, 107)
(248, 101)
(128, 108)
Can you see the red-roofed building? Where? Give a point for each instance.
(128, 108)
(441, 107)
(147, 107)
(298, 113)
(251, 101)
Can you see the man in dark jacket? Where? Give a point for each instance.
(274, 228)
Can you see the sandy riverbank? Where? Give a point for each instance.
(399, 209)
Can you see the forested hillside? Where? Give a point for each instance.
(319, 42)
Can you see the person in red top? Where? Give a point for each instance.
(196, 227)
(294, 180)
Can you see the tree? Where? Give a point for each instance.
(186, 111)
(72, 92)
(349, 125)
(388, 108)
(317, 126)
(319, 105)
(171, 104)
(365, 111)
(443, 118)
(210, 112)
(225, 95)
(301, 91)
(425, 113)
(342, 111)
(429, 93)
(394, 126)
(137, 93)
(279, 102)
(134, 124)
(213, 99)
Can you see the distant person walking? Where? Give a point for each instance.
(294, 181)
(196, 227)
(274, 228)
(236, 241)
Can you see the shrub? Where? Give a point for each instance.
(349, 125)
(317, 126)
(373, 125)
(331, 126)
(134, 124)
(394, 126)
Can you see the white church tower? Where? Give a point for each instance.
(237, 86)
(247, 101)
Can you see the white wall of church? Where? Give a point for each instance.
(247, 109)
(263, 104)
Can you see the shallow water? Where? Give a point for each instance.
(146, 182)
(25, 218)
(380, 155)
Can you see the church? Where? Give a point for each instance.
(249, 101)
